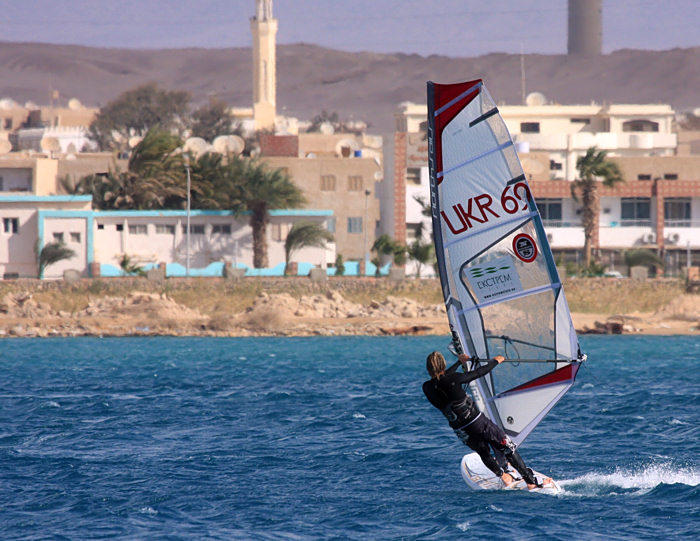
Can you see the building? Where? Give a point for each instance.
(339, 172)
(100, 239)
(657, 207)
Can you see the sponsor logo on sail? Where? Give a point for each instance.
(493, 279)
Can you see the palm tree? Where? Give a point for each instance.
(51, 253)
(154, 179)
(304, 234)
(387, 246)
(260, 190)
(590, 167)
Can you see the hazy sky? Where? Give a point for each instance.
(458, 28)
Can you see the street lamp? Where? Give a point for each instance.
(366, 226)
(187, 237)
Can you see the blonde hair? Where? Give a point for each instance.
(435, 364)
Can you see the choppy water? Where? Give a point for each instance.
(309, 438)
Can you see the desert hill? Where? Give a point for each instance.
(364, 86)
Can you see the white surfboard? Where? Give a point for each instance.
(479, 477)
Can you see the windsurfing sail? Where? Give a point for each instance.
(501, 288)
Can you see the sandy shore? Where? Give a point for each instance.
(329, 314)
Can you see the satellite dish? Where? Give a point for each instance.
(5, 146)
(228, 144)
(7, 103)
(535, 98)
(50, 144)
(195, 146)
(74, 104)
(326, 128)
(134, 140)
(346, 147)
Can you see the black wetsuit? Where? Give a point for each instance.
(471, 426)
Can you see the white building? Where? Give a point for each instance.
(657, 207)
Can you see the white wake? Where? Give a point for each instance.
(638, 481)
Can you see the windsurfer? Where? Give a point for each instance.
(444, 391)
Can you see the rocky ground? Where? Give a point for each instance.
(281, 314)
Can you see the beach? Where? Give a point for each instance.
(300, 307)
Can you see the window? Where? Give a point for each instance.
(355, 225)
(165, 229)
(413, 176)
(10, 225)
(327, 183)
(58, 237)
(584, 121)
(276, 232)
(194, 229)
(644, 177)
(670, 176)
(354, 183)
(100, 227)
(221, 229)
(677, 212)
(635, 211)
(555, 166)
(120, 227)
(2, 185)
(640, 125)
(75, 237)
(529, 127)
(138, 229)
(8, 123)
(330, 225)
(550, 210)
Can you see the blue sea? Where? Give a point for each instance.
(329, 438)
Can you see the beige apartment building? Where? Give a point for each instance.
(338, 172)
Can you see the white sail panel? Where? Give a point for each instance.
(500, 283)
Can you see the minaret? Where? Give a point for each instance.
(264, 29)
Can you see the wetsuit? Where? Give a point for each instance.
(471, 426)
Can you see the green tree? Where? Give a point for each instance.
(420, 250)
(135, 112)
(303, 234)
(339, 265)
(641, 257)
(258, 190)
(155, 178)
(129, 267)
(593, 165)
(385, 245)
(51, 253)
(211, 120)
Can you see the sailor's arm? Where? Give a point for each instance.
(479, 372)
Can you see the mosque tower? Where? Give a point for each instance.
(264, 29)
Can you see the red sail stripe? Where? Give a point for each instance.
(566, 373)
(443, 95)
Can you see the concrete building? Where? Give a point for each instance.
(657, 207)
(338, 172)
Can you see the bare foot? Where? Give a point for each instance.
(507, 480)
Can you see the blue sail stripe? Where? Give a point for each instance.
(524, 218)
(525, 293)
(475, 158)
(458, 98)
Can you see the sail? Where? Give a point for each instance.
(500, 284)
